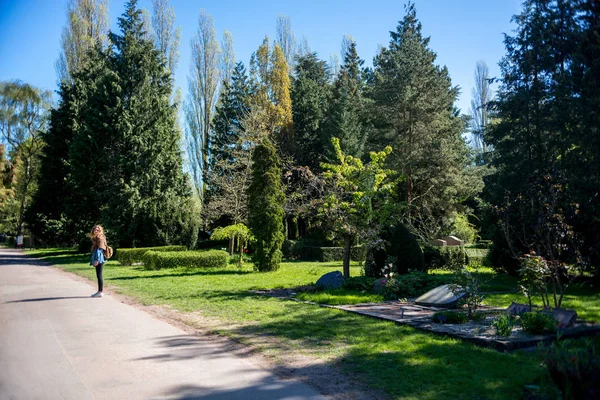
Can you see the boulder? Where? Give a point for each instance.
(517, 308)
(331, 280)
(438, 242)
(441, 296)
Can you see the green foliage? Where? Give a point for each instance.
(310, 98)
(346, 118)
(538, 322)
(130, 256)
(574, 367)
(463, 229)
(413, 111)
(412, 284)
(360, 283)
(503, 324)
(356, 191)
(265, 208)
(450, 317)
(310, 253)
(406, 250)
(187, 259)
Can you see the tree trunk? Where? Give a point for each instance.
(347, 245)
(231, 244)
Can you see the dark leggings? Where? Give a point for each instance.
(99, 276)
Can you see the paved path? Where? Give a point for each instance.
(58, 343)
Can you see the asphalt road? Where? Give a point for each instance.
(58, 343)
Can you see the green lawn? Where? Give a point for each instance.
(405, 363)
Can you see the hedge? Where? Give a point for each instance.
(357, 253)
(131, 256)
(188, 259)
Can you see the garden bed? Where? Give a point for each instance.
(479, 332)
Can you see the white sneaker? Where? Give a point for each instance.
(98, 294)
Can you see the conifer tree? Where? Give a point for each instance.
(346, 118)
(310, 98)
(414, 113)
(265, 207)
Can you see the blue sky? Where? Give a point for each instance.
(462, 31)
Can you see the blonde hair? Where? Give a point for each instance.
(93, 234)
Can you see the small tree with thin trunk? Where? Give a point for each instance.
(348, 208)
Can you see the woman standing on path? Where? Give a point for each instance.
(99, 246)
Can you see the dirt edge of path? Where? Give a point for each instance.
(332, 383)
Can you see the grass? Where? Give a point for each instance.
(401, 361)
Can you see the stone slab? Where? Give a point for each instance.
(453, 241)
(441, 296)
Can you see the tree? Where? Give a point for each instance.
(310, 99)
(202, 87)
(23, 119)
(265, 207)
(349, 207)
(346, 116)
(269, 73)
(227, 63)
(481, 96)
(413, 109)
(286, 40)
(87, 26)
(47, 215)
(166, 36)
(538, 112)
(238, 235)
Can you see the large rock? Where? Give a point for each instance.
(564, 317)
(441, 296)
(331, 280)
(517, 308)
(438, 242)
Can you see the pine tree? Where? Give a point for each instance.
(310, 98)
(414, 113)
(265, 207)
(346, 118)
(152, 202)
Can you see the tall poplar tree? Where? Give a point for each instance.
(202, 88)
(87, 26)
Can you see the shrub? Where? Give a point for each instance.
(451, 257)
(287, 247)
(412, 284)
(574, 366)
(450, 317)
(211, 244)
(504, 325)
(362, 283)
(538, 322)
(134, 255)
(326, 254)
(188, 259)
(405, 248)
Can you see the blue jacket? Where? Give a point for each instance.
(98, 255)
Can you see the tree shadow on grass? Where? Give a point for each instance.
(406, 362)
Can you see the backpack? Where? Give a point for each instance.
(108, 253)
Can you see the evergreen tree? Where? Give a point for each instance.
(233, 105)
(152, 197)
(346, 117)
(265, 207)
(310, 97)
(47, 217)
(414, 113)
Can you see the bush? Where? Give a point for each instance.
(187, 259)
(362, 283)
(504, 325)
(375, 262)
(287, 247)
(574, 366)
(211, 244)
(135, 255)
(450, 257)
(326, 254)
(538, 322)
(450, 317)
(412, 284)
(405, 248)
